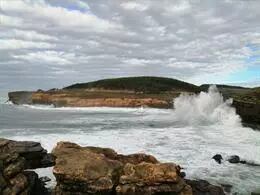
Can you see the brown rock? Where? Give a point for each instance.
(147, 179)
(81, 171)
(93, 170)
(132, 158)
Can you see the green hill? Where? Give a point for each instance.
(139, 84)
(220, 86)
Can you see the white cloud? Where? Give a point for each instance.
(51, 57)
(10, 21)
(179, 7)
(85, 40)
(57, 15)
(14, 44)
(136, 62)
(26, 35)
(131, 5)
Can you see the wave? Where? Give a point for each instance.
(139, 110)
(205, 108)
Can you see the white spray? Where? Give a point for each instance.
(205, 108)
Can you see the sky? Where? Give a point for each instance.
(53, 43)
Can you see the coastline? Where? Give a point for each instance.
(248, 111)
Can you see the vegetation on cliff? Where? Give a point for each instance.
(139, 84)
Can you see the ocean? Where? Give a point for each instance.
(199, 127)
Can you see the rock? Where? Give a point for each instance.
(132, 158)
(202, 187)
(34, 154)
(182, 174)
(234, 159)
(217, 158)
(36, 185)
(45, 179)
(13, 179)
(93, 170)
(147, 179)
(255, 192)
(79, 170)
(227, 187)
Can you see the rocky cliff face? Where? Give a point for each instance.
(249, 112)
(20, 97)
(91, 99)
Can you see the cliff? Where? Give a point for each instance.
(155, 92)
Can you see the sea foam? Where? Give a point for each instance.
(205, 108)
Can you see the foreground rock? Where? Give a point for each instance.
(34, 154)
(14, 180)
(89, 169)
(92, 170)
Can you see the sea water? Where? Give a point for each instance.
(199, 127)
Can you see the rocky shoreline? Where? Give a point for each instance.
(248, 111)
(91, 170)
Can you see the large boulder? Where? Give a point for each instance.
(79, 170)
(147, 179)
(93, 170)
(34, 154)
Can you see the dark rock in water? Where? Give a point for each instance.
(217, 158)
(252, 164)
(234, 159)
(227, 187)
(182, 174)
(34, 154)
(202, 187)
(45, 179)
(242, 162)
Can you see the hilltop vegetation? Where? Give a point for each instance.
(139, 84)
(206, 86)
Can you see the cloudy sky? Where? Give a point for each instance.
(53, 43)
